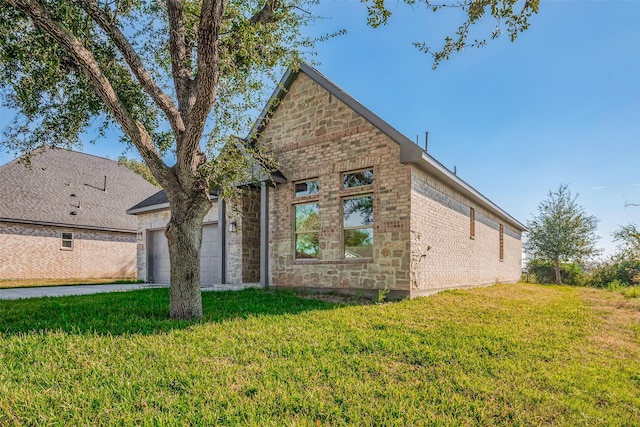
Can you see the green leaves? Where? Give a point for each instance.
(562, 231)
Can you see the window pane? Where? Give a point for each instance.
(306, 188)
(67, 236)
(358, 179)
(307, 217)
(358, 243)
(66, 243)
(358, 211)
(307, 245)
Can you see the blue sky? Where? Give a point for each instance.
(561, 105)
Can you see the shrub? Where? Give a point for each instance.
(615, 272)
(544, 272)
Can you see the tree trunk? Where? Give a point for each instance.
(184, 234)
(557, 268)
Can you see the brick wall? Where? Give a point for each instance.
(314, 135)
(443, 255)
(35, 252)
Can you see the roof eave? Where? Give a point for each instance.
(147, 209)
(64, 225)
(409, 151)
(412, 154)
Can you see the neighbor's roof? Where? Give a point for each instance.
(67, 188)
(409, 151)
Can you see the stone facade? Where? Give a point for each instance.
(314, 135)
(30, 251)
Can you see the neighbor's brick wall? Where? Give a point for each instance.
(34, 252)
(314, 135)
(158, 220)
(442, 253)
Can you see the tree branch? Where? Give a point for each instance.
(267, 13)
(133, 128)
(135, 64)
(179, 55)
(203, 89)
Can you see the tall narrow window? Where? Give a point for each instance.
(67, 240)
(501, 242)
(307, 231)
(358, 226)
(472, 223)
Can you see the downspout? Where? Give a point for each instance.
(264, 235)
(222, 248)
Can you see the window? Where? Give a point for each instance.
(358, 226)
(472, 223)
(307, 231)
(501, 242)
(67, 240)
(306, 188)
(358, 179)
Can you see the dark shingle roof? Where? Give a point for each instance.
(63, 187)
(157, 200)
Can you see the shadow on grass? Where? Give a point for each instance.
(141, 312)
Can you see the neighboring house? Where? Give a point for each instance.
(356, 206)
(64, 217)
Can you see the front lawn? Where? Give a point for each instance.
(503, 355)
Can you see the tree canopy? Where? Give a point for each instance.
(179, 76)
(628, 238)
(561, 231)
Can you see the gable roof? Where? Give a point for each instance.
(410, 152)
(67, 188)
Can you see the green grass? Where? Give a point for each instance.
(32, 283)
(502, 355)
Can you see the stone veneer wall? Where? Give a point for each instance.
(443, 255)
(243, 246)
(35, 252)
(314, 135)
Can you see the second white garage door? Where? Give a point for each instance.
(158, 256)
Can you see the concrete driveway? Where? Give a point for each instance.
(61, 291)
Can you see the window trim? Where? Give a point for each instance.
(304, 181)
(296, 232)
(63, 240)
(358, 187)
(371, 226)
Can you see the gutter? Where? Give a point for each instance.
(58, 224)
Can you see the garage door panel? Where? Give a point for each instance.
(159, 270)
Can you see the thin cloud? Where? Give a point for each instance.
(597, 188)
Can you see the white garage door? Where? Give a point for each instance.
(158, 256)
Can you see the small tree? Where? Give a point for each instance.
(562, 231)
(628, 238)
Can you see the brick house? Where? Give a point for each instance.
(64, 217)
(355, 206)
